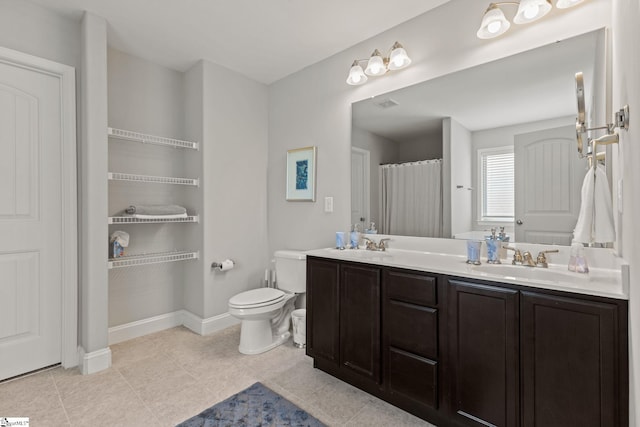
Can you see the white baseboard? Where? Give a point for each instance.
(143, 327)
(210, 325)
(95, 361)
(159, 323)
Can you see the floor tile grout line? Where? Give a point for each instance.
(138, 396)
(64, 408)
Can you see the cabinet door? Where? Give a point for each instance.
(569, 362)
(483, 344)
(360, 320)
(323, 309)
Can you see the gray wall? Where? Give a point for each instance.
(234, 149)
(425, 147)
(457, 156)
(32, 29)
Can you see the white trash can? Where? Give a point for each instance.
(299, 320)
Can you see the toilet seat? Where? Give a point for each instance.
(256, 298)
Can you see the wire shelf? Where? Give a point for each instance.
(151, 139)
(155, 258)
(134, 220)
(117, 176)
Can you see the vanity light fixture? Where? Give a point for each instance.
(494, 23)
(377, 65)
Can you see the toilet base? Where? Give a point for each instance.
(255, 347)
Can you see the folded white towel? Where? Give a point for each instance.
(140, 216)
(156, 210)
(595, 220)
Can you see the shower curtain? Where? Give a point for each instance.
(411, 198)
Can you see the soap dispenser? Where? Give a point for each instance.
(354, 237)
(577, 259)
(493, 245)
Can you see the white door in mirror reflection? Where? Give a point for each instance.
(360, 187)
(547, 185)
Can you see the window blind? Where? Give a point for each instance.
(498, 184)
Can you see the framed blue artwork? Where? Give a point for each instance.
(301, 174)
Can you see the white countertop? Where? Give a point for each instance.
(606, 278)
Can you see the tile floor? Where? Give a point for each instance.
(164, 378)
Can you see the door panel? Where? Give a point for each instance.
(30, 219)
(360, 320)
(483, 333)
(569, 362)
(547, 186)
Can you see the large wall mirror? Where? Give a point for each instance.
(501, 137)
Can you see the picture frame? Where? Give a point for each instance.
(301, 174)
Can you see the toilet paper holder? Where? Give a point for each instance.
(222, 265)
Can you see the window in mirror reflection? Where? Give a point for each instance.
(496, 184)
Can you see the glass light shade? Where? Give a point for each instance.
(531, 10)
(356, 75)
(375, 66)
(493, 23)
(398, 58)
(565, 4)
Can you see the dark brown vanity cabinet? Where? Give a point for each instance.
(464, 352)
(343, 320)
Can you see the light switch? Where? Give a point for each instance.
(328, 204)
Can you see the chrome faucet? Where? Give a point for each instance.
(373, 246)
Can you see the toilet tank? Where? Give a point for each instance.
(291, 271)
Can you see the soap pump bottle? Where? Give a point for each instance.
(354, 237)
(577, 259)
(493, 244)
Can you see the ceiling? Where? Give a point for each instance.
(531, 86)
(265, 40)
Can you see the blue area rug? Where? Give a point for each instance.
(256, 406)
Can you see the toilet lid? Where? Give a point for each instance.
(256, 298)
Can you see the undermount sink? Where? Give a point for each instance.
(553, 273)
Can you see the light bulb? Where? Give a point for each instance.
(494, 27)
(531, 11)
(398, 58)
(493, 23)
(375, 66)
(356, 75)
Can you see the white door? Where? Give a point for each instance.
(31, 220)
(548, 178)
(360, 185)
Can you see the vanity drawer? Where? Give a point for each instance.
(412, 328)
(410, 287)
(412, 378)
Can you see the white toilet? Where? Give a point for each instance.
(266, 312)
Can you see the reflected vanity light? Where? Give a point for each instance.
(494, 23)
(377, 65)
